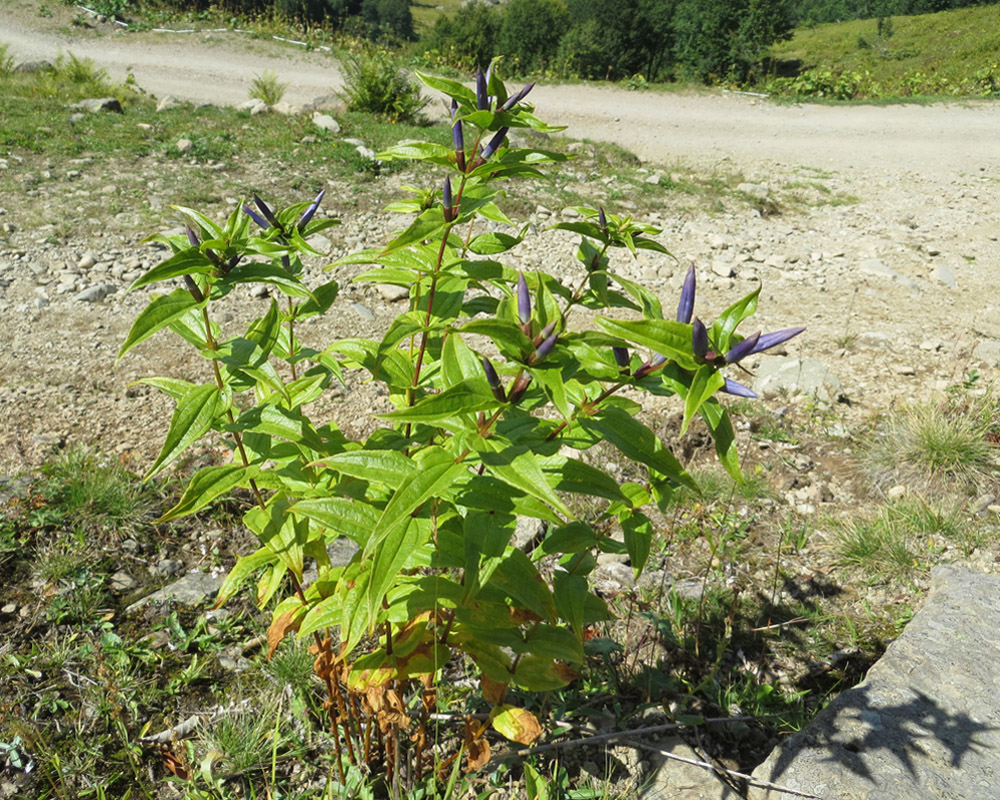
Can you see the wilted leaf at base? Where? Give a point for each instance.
(517, 724)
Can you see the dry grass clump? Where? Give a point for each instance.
(936, 448)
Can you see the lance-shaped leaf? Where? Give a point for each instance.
(671, 339)
(163, 310)
(208, 484)
(245, 567)
(186, 262)
(721, 428)
(723, 327)
(343, 515)
(706, 382)
(465, 397)
(191, 420)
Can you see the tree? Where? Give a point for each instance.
(726, 39)
(530, 32)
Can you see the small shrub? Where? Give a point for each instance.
(268, 88)
(375, 84)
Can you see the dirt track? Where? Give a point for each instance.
(931, 141)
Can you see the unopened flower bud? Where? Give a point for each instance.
(621, 356)
(494, 143)
(699, 339)
(309, 212)
(686, 306)
(448, 201)
(494, 380)
(523, 300)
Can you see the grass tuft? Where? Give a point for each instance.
(934, 448)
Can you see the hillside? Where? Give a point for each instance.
(948, 53)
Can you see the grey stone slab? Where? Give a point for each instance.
(925, 723)
(191, 590)
(791, 376)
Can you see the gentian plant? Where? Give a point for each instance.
(498, 400)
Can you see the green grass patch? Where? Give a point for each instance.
(947, 54)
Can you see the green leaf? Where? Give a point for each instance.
(208, 484)
(459, 363)
(670, 339)
(507, 336)
(191, 420)
(488, 244)
(422, 151)
(451, 88)
(163, 310)
(186, 262)
(638, 531)
(464, 397)
(522, 471)
(707, 381)
(320, 302)
(577, 477)
(570, 593)
(245, 566)
(637, 442)
(518, 578)
(721, 428)
(384, 466)
(266, 330)
(175, 387)
(722, 329)
(251, 272)
(548, 641)
(344, 515)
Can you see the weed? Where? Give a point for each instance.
(6, 60)
(268, 88)
(374, 83)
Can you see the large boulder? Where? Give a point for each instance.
(926, 721)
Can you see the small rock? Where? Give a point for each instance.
(191, 590)
(393, 293)
(122, 582)
(94, 294)
(167, 567)
(945, 275)
(97, 104)
(184, 146)
(9, 608)
(168, 102)
(87, 260)
(362, 311)
(797, 376)
(988, 352)
(654, 179)
(897, 492)
(326, 122)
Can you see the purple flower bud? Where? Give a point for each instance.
(545, 347)
(769, 340)
(546, 332)
(447, 200)
(494, 380)
(743, 349)
(523, 300)
(234, 261)
(514, 99)
(686, 307)
(309, 212)
(699, 339)
(494, 143)
(256, 217)
(738, 389)
(268, 214)
(482, 101)
(602, 219)
(192, 236)
(657, 362)
(519, 388)
(621, 356)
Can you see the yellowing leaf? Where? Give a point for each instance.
(517, 724)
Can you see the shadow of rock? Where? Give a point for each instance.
(926, 721)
